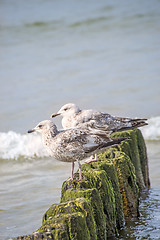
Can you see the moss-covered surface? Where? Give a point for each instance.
(127, 185)
(78, 205)
(97, 178)
(115, 205)
(73, 222)
(96, 207)
(143, 158)
(131, 148)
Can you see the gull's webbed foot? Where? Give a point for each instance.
(92, 159)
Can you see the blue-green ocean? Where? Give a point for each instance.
(103, 55)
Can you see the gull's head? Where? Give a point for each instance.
(68, 109)
(44, 127)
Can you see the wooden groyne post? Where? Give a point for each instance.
(99, 205)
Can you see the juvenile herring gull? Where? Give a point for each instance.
(73, 144)
(73, 116)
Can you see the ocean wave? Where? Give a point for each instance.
(15, 145)
(152, 131)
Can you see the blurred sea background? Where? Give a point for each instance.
(103, 55)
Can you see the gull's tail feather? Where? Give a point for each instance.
(127, 119)
(111, 142)
(115, 141)
(116, 125)
(134, 123)
(139, 119)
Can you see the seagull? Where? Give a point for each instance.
(73, 144)
(73, 116)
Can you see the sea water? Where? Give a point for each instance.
(103, 55)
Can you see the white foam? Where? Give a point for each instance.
(14, 145)
(152, 131)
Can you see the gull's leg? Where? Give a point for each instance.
(95, 157)
(92, 159)
(72, 171)
(80, 173)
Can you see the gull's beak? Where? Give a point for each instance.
(31, 130)
(55, 115)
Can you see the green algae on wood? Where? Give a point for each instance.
(143, 158)
(56, 227)
(107, 165)
(127, 184)
(100, 181)
(130, 147)
(37, 236)
(97, 207)
(97, 178)
(74, 223)
(108, 192)
(78, 205)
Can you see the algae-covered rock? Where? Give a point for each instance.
(97, 207)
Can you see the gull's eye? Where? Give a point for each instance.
(65, 109)
(40, 126)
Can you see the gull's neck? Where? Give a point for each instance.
(49, 135)
(72, 113)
